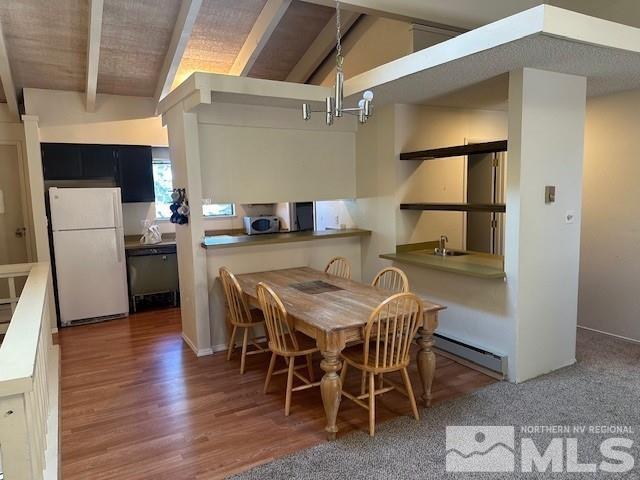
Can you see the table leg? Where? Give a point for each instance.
(331, 389)
(426, 359)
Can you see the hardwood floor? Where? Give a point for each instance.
(137, 404)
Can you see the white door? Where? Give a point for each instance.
(85, 208)
(13, 233)
(91, 274)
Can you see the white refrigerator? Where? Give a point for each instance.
(88, 243)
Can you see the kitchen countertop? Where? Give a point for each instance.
(475, 264)
(133, 241)
(227, 241)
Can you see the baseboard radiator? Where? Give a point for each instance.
(478, 356)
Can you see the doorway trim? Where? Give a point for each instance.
(24, 197)
(501, 177)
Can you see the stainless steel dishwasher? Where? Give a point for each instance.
(152, 271)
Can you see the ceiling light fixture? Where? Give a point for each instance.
(335, 105)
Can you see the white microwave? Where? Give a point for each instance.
(261, 224)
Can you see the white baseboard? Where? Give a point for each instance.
(627, 339)
(199, 352)
(54, 330)
(219, 348)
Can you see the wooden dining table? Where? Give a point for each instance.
(334, 311)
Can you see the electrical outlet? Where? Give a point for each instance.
(570, 216)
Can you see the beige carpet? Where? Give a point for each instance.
(602, 389)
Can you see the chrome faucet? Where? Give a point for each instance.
(442, 246)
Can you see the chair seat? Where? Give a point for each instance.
(306, 345)
(355, 354)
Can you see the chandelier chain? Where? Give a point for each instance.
(338, 33)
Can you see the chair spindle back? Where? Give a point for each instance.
(340, 267)
(390, 331)
(239, 313)
(392, 279)
(282, 337)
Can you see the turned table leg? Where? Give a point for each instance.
(331, 389)
(426, 359)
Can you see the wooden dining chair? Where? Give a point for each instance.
(240, 316)
(340, 267)
(285, 341)
(387, 339)
(391, 279)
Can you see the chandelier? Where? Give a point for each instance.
(335, 105)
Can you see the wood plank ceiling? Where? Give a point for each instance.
(135, 38)
(221, 28)
(294, 34)
(47, 41)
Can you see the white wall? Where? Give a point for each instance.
(245, 259)
(477, 309)
(117, 120)
(609, 261)
(438, 180)
(334, 214)
(259, 154)
(504, 317)
(371, 42)
(12, 133)
(546, 138)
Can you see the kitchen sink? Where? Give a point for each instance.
(450, 253)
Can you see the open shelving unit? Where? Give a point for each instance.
(456, 207)
(456, 151)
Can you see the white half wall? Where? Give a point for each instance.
(259, 154)
(245, 259)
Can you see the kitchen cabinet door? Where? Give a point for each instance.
(98, 161)
(61, 161)
(135, 165)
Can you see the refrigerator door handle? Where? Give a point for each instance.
(116, 216)
(119, 244)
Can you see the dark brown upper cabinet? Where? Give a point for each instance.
(136, 173)
(129, 167)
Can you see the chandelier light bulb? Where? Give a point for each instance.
(334, 106)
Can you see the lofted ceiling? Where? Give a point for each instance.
(134, 41)
(220, 31)
(48, 41)
(298, 28)
(143, 47)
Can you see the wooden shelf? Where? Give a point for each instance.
(456, 207)
(457, 151)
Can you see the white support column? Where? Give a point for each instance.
(546, 137)
(37, 193)
(36, 185)
(192, 259)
